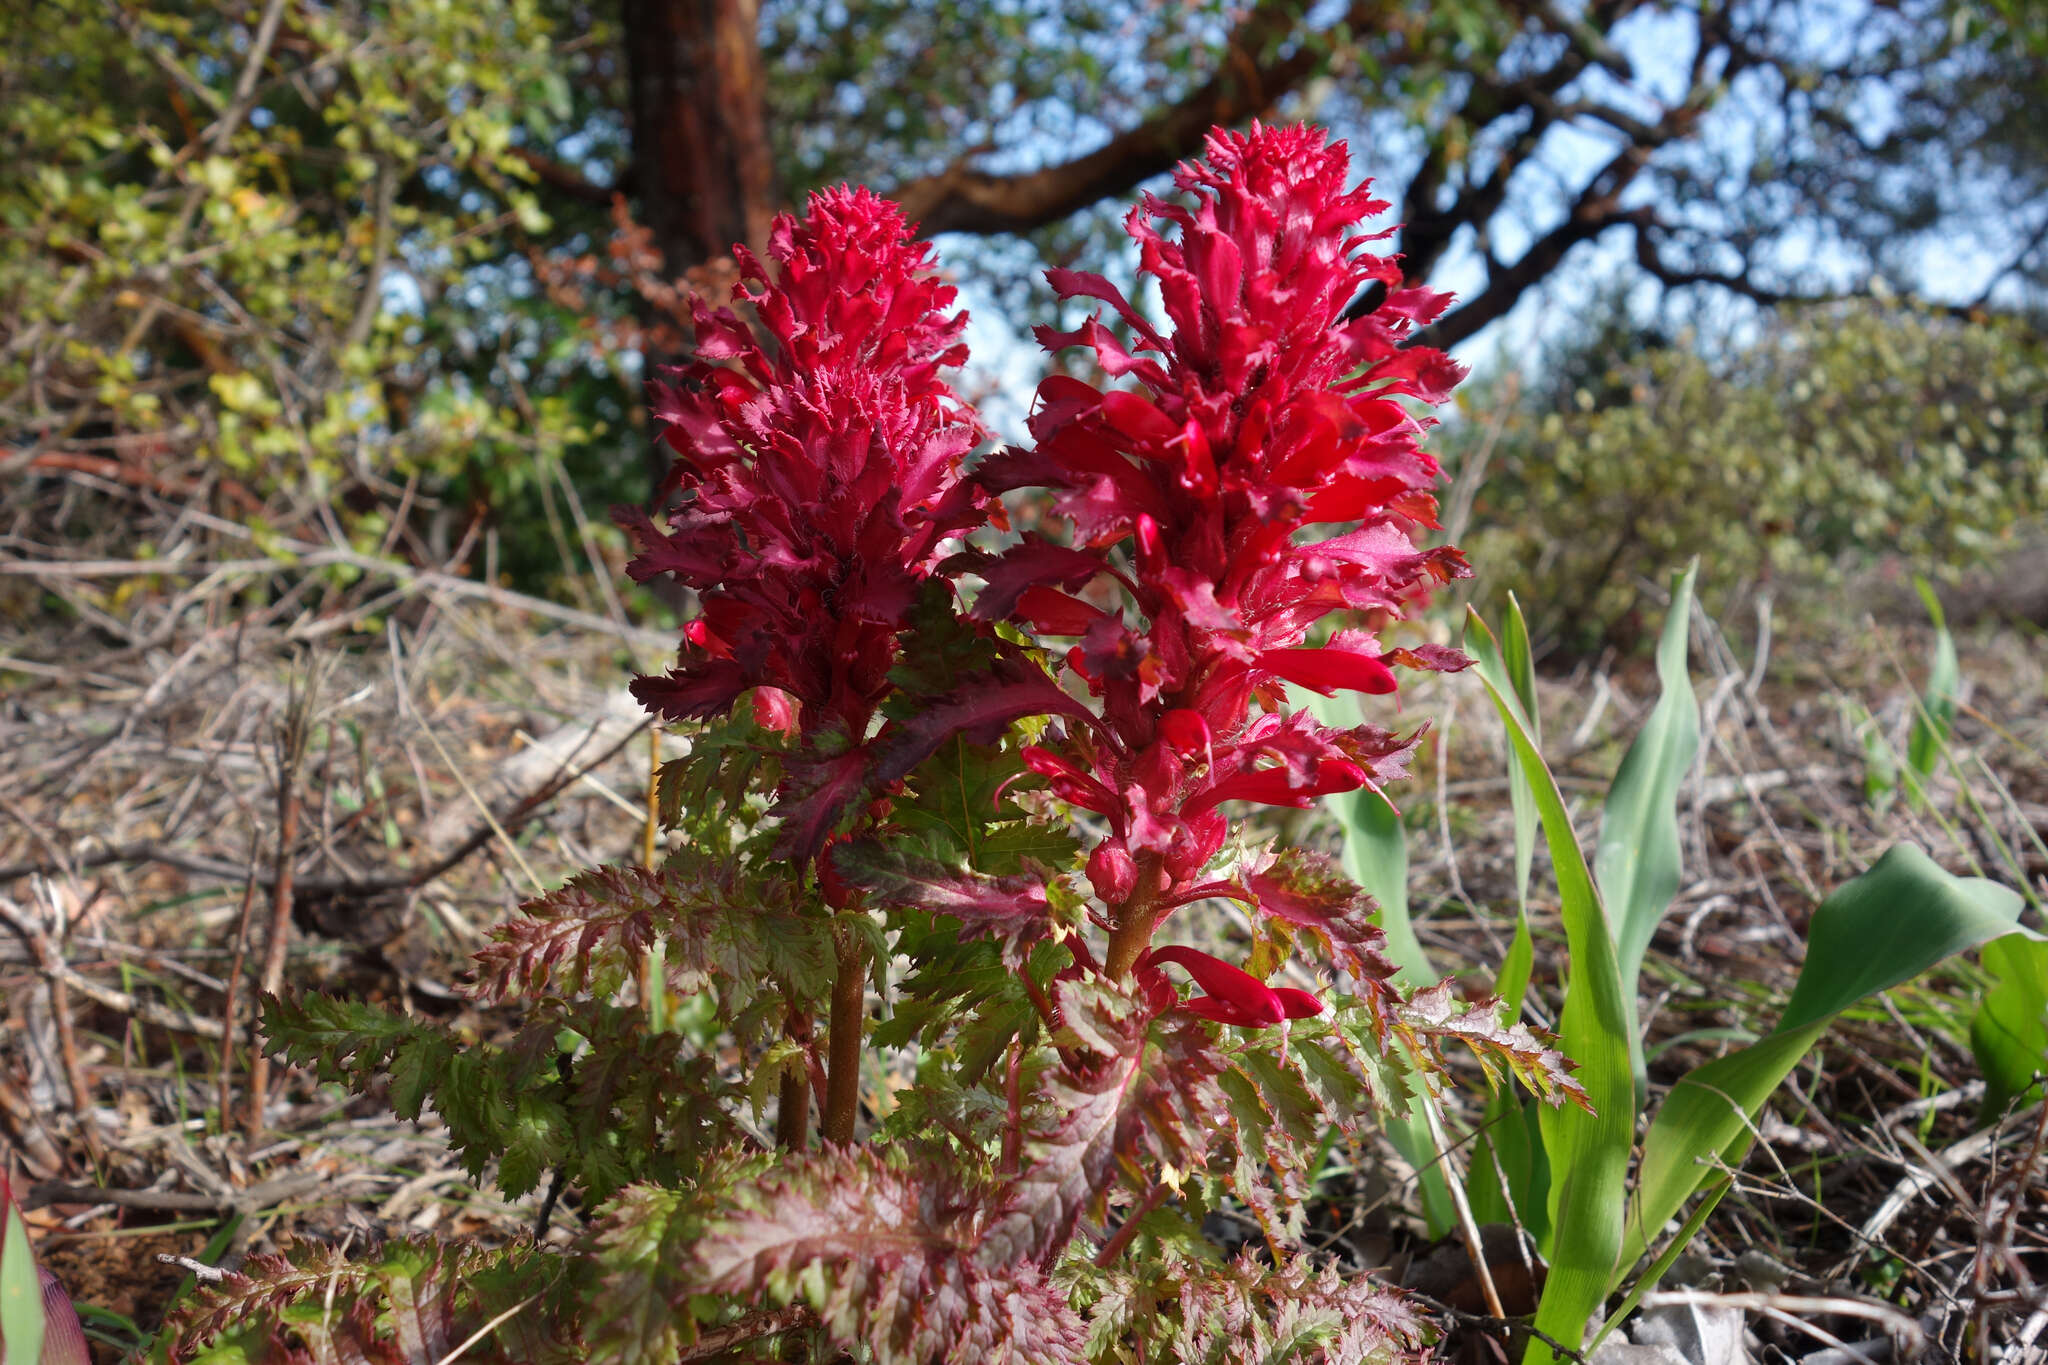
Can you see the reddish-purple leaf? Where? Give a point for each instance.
(895, 1259)
(1305, 889)
(1012, 909)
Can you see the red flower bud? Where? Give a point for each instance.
(1112, 871)
(775, 709)
(1186, 731)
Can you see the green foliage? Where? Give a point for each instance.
(1637, 864)
(1885, 927)
(257, 249)
(1839, 435)
(2009, 1033)
(412, 1302)
(1935, 715)
(21, 1289)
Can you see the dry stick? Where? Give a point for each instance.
(228, 1003)
(526, 811)
(291, 750)
(1475, 1244)
(265, 1195)
(849, 1014)
(651, 835)
(48, 957)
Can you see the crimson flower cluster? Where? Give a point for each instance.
(816, 478)
(1263, 472)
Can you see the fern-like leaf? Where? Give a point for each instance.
(408, 1303)
(1307, 892)
(720, 924)
(888, 1257)
(1137, 1094)
(1291, 1314)
(1013, 909)
(1438, 1016)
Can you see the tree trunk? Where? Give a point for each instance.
(701, 156)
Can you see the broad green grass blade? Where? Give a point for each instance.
(1588, 1152)
(1375, 851)
(1885, 927)
(1519, 663)
(1508, 1148)
(21, 1289)
(1637, 866)
(2010, 1031)
(1647, 1281)
(1376, 857)
(1936, 715)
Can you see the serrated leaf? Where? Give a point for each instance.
(1142, 1098)
(1438, 1015)
(1013, 910)
(1293, 1312)
(893, 1259)
(719, 925)
(1306, 890)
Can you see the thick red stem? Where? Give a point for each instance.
(849, 1017)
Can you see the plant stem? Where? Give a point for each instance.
(291, 752)
(849, 1015)
(1136, 921)
(793, 1114)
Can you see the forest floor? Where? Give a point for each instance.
(434, 751)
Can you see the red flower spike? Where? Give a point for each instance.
(818, 475)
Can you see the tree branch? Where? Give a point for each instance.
(1258, 67)
(1596, 210)
(571, 182)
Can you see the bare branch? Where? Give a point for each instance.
(1259, 66)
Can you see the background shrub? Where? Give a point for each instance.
(1834, 437)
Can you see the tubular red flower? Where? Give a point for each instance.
(1070, 784)
(1326, 670)
(1233, 995)
(1052, 612)
(1279, 787)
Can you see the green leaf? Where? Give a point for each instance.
(1519, 663)
(2010, 1031)
(1588, 1152)
(1510, 1151)
(21, 1289)
(1637, 866)
(1375, 855)
(1885, 927)
(1935, 717)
